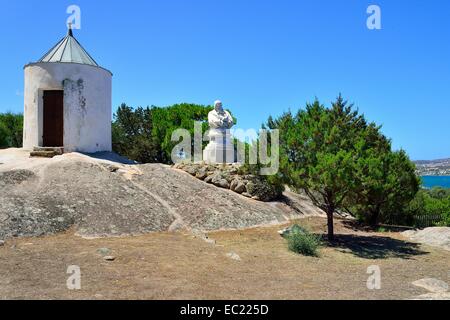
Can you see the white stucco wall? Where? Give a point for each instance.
(87, 105)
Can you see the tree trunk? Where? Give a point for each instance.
(330, 212)
(374, 215)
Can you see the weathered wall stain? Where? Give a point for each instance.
(76, 89)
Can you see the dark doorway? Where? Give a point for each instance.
(53, 118)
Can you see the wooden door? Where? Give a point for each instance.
(53, 118)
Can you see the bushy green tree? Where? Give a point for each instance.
(144, 134)
(11, 130)
(167, 120)
(340, 160)
(439, 193)
(3, 136)
(387, 182)
(132, 134)
(317, 153)
(434, 202)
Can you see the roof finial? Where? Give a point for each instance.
(70, 33)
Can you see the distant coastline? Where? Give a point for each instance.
(434, 168)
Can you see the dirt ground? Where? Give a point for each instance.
(100, 197)
(182, 266)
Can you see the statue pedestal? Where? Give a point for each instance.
(220, 148)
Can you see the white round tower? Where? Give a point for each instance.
(67, 100)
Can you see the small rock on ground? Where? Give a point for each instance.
(432, 285)
(233, 256)
(199, 234)
(109, 258)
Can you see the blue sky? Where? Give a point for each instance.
(259, 57)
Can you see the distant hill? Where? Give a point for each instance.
(440, 167)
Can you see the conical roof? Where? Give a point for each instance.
(68, 50)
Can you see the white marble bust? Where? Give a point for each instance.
(220, 118)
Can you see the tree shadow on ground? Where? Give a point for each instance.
(376, 247)
(355, 225)
(111, 156)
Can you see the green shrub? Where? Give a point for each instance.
(11, 130)
(304, 243)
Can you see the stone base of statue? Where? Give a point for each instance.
(220, 148)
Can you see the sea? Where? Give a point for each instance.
(429, 182)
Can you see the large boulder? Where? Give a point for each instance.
(98, 198)
(434, 236)
(228, 176)
(202, 173)
(432, 285)
(259, 188)
(219, 180)
(238, 185)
